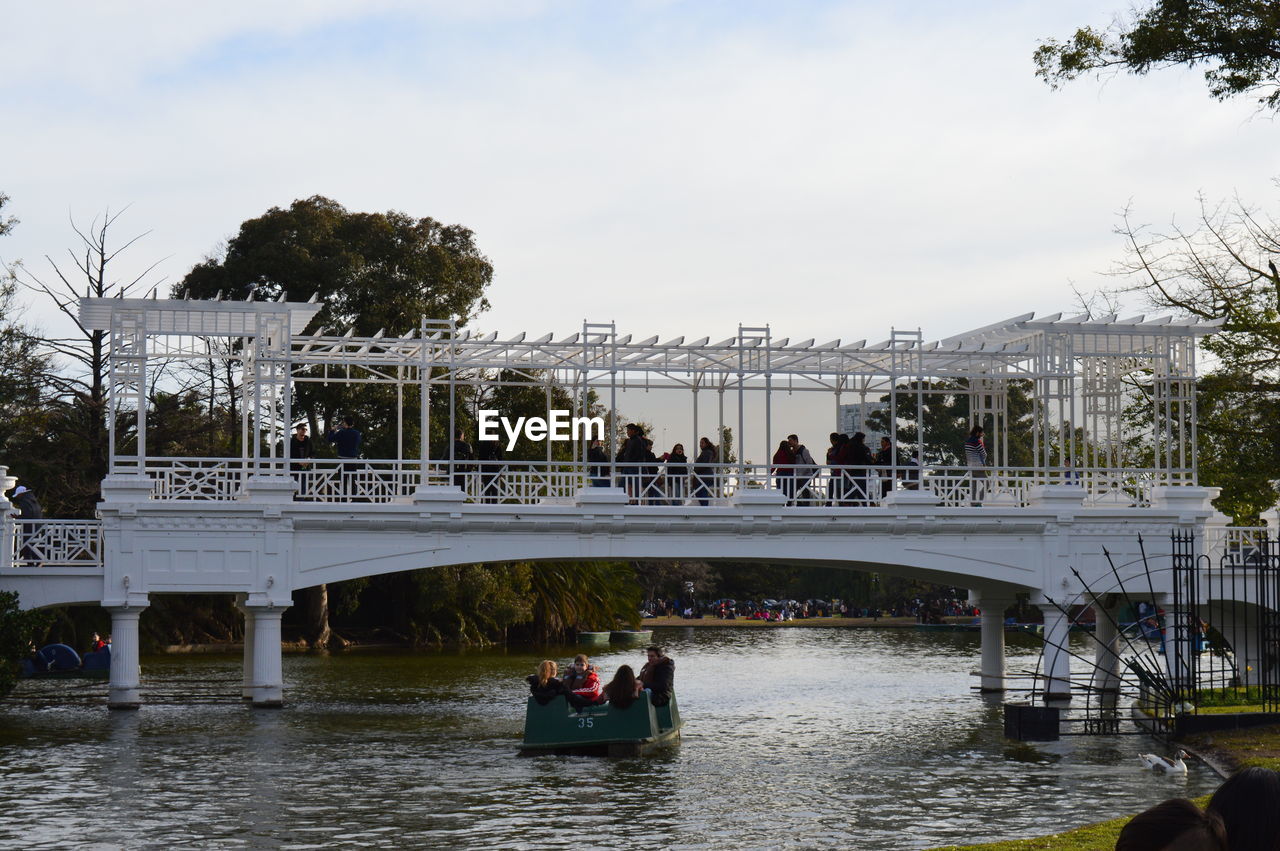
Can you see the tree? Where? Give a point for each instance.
(80, 384)
(1239, 41)
(1223, 268)
(947, 420)
(372, 272)
(18, 631)
(23, 369)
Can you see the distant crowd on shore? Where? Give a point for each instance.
(925, 611)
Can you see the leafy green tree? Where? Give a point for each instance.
(947, 420)
(372, 270)
(576, 595)
(1237, 41)
(19, 630)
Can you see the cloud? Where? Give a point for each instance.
(834, 169)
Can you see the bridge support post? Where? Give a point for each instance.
(246, 689)
(1106, 653)
(993, 670)
(124, 691)
(1057, 658)
(267, 687)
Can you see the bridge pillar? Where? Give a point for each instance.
(993, 670)
(1106, 652)
(7, 516)
(246, 688)
(267, 686)
(124, 691)
(1057, 658)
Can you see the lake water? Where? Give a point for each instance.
(816, 737)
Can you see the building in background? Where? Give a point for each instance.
(852, 418)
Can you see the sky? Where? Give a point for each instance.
(831, 169)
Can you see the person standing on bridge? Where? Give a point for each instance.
(632, 456)
(704, 471)
(859, 461)
(599, 461)
(24, 499)
(784, 470)
(677, 474)
(461, 453)
(975, 458)
(345, 439)
(835, 483)
(886, 461)
(301, 451)
(346, 442)
(806, 469)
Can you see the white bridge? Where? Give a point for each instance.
(263, 525)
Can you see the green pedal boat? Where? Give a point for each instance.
(599, 730)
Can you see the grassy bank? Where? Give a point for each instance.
(1092, 837)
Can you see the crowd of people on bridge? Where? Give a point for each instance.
(856, 474)
(581, 684)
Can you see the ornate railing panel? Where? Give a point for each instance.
(533, 482)
(62, 543)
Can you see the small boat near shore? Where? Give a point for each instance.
(58, 661)
(605, 730)
(631, 636)
(594, 638)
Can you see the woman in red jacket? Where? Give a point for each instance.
(784, 470)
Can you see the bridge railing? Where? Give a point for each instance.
(54, 542)
(1233, 547)
(653, 483)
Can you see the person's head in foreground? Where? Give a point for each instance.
(1248, 803)
(1173, 825)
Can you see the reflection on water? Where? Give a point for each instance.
(793, 737)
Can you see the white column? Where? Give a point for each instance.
(268, 678)
(1057, 660)
(124, 691)
(993, 671)
(1106, 653)
(246, 690)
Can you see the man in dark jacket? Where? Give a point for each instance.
(489, 454)
(658, 675)
(346, 441)
(301, 451)
(599, 470)
(29, 507)
(461, 453)
(632, 455)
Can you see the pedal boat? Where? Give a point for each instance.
(605, 730)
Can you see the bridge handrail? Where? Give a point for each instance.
(54, 542)
(532, 482)
(1233, 547)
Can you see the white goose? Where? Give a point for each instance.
(1164, 765)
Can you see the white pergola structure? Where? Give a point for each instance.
(1086, 376)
